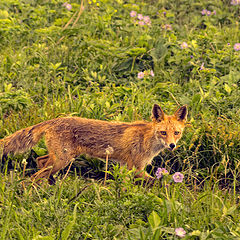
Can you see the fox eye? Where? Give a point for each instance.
(176, 133)
(164, 133)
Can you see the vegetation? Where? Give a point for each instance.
(113, 60)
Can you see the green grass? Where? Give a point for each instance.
(55, 62)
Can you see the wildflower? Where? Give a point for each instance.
(147, 20)
(160, 172)
(208, 13)
(133, 13)
(152, 73)
(141, 23)
(236, 46)
(109, 150)
(202, 67)
(167, 27)
(184, 45)
(24, 161)
(180, 232)
(178, 177)
(140, 16)
(204, 11)
(235, 2)
(148, 73)
(141, 75)
(68, 6)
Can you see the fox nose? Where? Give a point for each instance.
(172, 146)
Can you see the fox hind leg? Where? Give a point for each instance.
(49, 165)
(41, 161)
(45, 166)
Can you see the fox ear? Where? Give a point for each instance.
(157, 113)
(181, 113)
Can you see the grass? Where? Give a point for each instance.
(85, 62)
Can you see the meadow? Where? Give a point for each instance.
(112, 60)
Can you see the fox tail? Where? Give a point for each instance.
(22, 140)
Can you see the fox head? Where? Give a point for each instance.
(168, 129)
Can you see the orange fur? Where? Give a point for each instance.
(134, 144)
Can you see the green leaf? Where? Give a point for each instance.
(136, 51)
(39, 237)
(66, 232)
(154, 220)
(227, 88)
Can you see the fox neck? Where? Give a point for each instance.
(154, 145)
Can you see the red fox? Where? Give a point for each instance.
(134, 144)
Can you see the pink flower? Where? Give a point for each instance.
(152, 73)
(140, 16)
(133, 13)
(184, 45)
(167, 27)
(180, 232)
(141, 75)
(209, 13)
(178, 177)
(141, 23)
(147, 20)
(236, 47)
(204, 11)
(202, 67)
(235, 2)
(160, 172)
(68, 6)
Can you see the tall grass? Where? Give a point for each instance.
(85, 62)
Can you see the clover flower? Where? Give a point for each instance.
(236, 47)
(133, 13)
(235, 2)
(178, 177)
(141, 75)
(180, 232)
(68, 6)
(184, 45)
(160, 172)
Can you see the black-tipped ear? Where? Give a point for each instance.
(181, 113)
(157, 113)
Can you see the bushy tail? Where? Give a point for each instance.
(23, 139)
